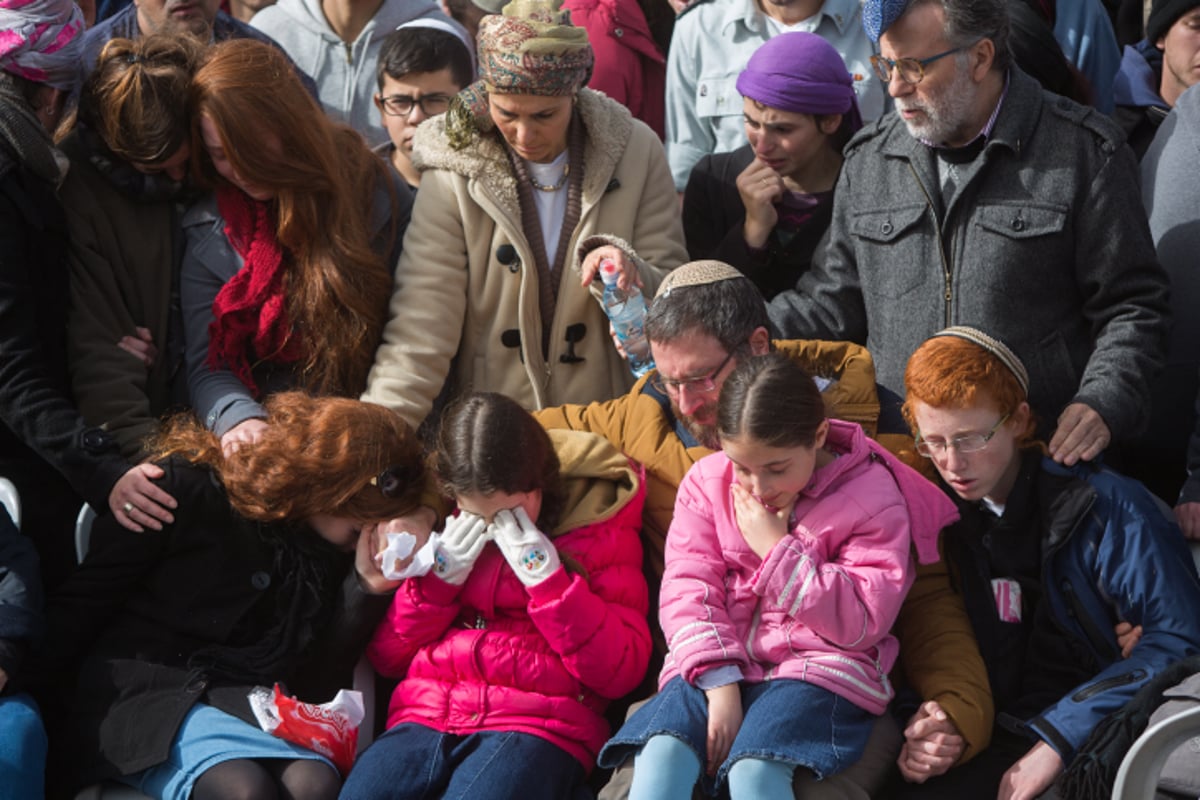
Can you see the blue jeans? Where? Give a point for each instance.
(785, 720)
(22, 748)
(413, 762)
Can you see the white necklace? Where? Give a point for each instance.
(544, 187)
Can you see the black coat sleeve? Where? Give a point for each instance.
(33, 405)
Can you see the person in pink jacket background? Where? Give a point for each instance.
(630, 66)
(786, 563)
(531, 620)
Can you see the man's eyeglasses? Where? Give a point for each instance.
(704, 384)
(967, 443)
(911, 70)
(401, 105)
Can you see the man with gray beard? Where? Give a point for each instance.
(984, 201)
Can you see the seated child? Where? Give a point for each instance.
(532, 619)
(1048, 559)
(786, 562)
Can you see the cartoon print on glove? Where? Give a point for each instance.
(533, 559)
(440, 565)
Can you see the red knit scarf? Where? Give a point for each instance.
(250, 311)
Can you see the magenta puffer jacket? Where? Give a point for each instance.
(494, 656)
(820, 607)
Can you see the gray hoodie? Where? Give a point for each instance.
(344, 71)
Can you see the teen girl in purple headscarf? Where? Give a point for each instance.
(764, 207)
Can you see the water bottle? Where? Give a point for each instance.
(626, 308)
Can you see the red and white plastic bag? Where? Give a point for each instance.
(330, 729)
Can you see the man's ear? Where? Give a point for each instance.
(760, 341)
(982, 56)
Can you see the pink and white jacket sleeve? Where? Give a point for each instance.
(700, 633)
(851, 598)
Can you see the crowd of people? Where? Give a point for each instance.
(303, 300)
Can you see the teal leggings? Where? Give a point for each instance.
(666, 768)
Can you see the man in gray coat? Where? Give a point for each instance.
(984, 201)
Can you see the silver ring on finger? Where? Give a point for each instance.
(127, 508)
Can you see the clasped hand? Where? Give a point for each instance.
(527, 550)
(761, 527)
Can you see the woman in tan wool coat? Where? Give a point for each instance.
(524, 170)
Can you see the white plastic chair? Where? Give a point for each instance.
(83, 531)
(1137, 778)
(11, 500)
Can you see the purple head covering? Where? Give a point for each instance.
(801, 73)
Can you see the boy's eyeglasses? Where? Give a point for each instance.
(968, 443)
(401, 105)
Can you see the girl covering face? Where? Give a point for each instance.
(532, 618)
(786, 563)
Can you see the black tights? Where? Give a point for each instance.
(269, 779)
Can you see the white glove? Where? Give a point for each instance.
(526, 549)
(460, 544)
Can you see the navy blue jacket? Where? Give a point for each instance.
(1108, 553)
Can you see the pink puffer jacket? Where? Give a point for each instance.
(494, 656)
(820, 607)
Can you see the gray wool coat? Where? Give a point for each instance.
(1045, 246)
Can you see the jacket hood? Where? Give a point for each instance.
(1137, 81)
(599, 480)
(929, 509)
(608, 125)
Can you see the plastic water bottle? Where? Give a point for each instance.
(627, 311)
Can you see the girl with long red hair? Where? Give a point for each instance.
(288, 266)
(266, 576)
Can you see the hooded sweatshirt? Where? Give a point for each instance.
(344, 71)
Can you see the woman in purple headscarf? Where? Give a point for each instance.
(764, 207)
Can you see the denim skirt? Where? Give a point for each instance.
(784, 720)
(206, 738)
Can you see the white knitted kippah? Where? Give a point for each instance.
(697, 273)
(994, 346)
